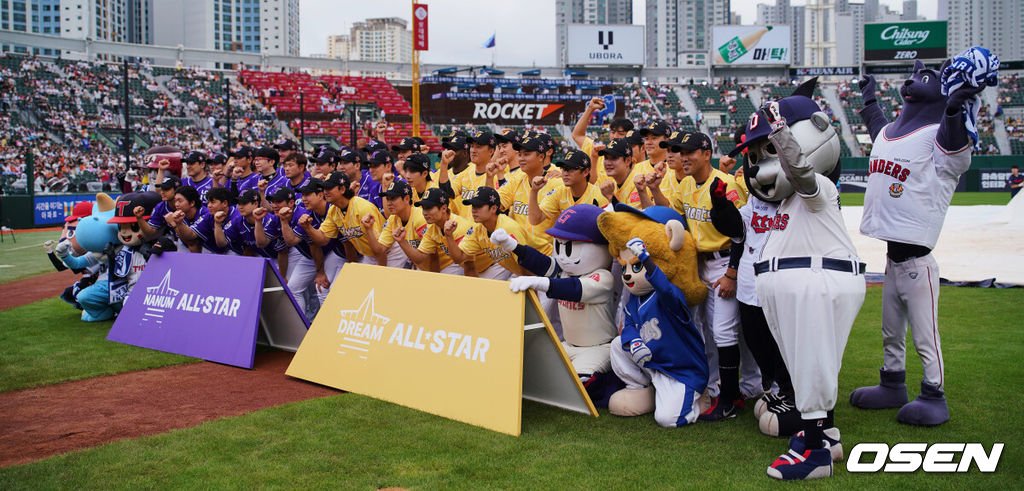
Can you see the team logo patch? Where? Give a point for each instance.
(896, 190)
(913, 276)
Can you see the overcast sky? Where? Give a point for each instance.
(525, 29)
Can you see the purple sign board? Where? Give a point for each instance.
(209, 306)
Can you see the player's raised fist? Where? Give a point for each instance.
(139, 212)
(726, 163)
(447, 157)
(608, 189)
(501, 238)
(640, 181)
(236, 172)
(164, 164)
(367, 221)
(386, 179)
(285, 214)
(259, 213)
(450, 226)
(398, 234)
(220, 216)
(305, 221)
(493, 168)
(262, 185)
(595, 104)
(538, 182)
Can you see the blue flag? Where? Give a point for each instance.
(489, 43)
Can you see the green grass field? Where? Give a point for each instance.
(959, 199)
(26, 257)
(46, 343)
(350, 441)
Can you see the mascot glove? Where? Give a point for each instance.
(867, 87)
(799, 171)
(771, 113)
(502, 239)
(48, 246)
(718, 188)
(638, 248)
(639, 351)
(523, 283)
(63, 249)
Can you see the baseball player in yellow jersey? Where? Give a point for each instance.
(416, 171)
(667, 179)
(434, 246)
(617, 129)
(654, 134)
(718, 316)
(481, 150)
(401, 214)
(618, 164)
(524, 187)
(486, 217)
(506, 140)
(576, 189)
(344, 219)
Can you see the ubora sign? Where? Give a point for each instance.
(884, 41)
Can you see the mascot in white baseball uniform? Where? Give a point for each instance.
(809, 279)
(914, 167)
(577, 276)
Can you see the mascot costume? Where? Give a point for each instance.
(914, 167)
(93, 235)
(660, 352)
(577, 276)
(809, 279)
(68, 245)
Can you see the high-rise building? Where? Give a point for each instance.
(587, 12)
(381, 39)
(909, 10)
(819, 32)
(850, 26)
(124, 21)
(338, 46)
(782, 13)
(679, 31)
(269, 27)
(997, 25)
(871, 10)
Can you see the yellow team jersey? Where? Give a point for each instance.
(414, 228)
(346, 224)
(587, 148)
(627, 193)
(478, 243)
(416, 195)
(694, 203)
(465, 184)
(433, 242)
(515, 197)
(555, 203)
(645, 166)
(670, 184)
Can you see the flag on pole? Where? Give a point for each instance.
(490, 42)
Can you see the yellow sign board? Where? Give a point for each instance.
(448, 345)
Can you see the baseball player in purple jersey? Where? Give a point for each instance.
(350, 162)
(243, 176)
(266, 162)
(197, 174)
(295, 175)
(252, 230)
(301, 267)
(155, 225)
(201, 231)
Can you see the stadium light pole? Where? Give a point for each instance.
(127, 120)
(227, 106)
(302, 121)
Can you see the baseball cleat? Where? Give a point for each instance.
(832, 443)
(808, 464)
(720, 411)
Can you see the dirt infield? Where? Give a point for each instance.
(55, 419)
(21, 292)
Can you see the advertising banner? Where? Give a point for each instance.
(750, 45)
(379, 334)
(824, 71)
(605, 44)
(419, 27)
(211, 307)
(448, 111)
(911, 40)
(48, 210)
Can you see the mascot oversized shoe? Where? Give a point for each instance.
(831, 442)
(929, 409)
(890, 393)
(802, 464)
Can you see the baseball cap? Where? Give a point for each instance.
(619, 147)
(81, 209)
(433, 197)
(574, 159)
(379, 157)
(324, 156)
(244, 152)
(455, 132)
(578, 222)
(621, 123)
(281, 194)
(656, 127)
(507, 135)
(336, 179)
(169, 182)
(349, 155)
(693, 140)
(217, 158)
(483, 196)
(482, 138)
(417, 162)
(533, 143)
(407, 143)
(792, 108)
(251, 195)
(375, 146)
(313, 186)
(194, 157)
(633, 138)
(268, 153)
(125, 213)
(286, 145)
(455, 143)
(397, 189)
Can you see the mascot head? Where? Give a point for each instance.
(580, 249)
(671, 247)
(923, 86)
(81, 210)
(810, 126)
(128, 230)
(93, 233)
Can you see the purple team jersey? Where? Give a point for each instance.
(201, 186)
(333, 246)
(203, 228)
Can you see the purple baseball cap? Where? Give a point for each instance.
(578, 222)
(792, 108)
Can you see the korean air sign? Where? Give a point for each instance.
(605, 44)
